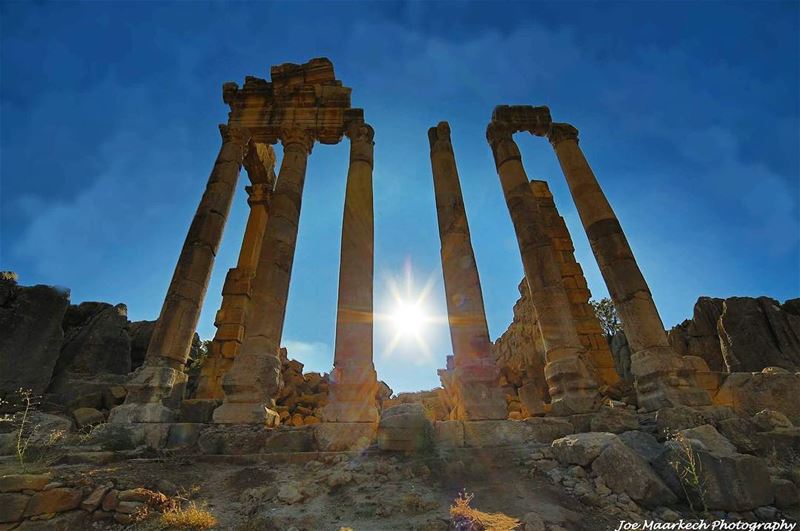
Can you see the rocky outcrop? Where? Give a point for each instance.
(698, 336)
(742, 334)
(748, 393)
(30, 334)
(96, 339)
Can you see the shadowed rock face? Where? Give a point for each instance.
(30, 334)
(96, 339)
(742, 334)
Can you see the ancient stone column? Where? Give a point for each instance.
(230, 318)
(475, 389)
(662, 377)
(353, 382)
(155, 391)
(255, 377)
(572, 389)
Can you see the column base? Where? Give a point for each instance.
(664, 379)
(243, 413)
(479, 401)
(476, 393)
(154, 395)
(345, 436)
(572, 389)
(350, 412)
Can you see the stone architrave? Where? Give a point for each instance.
(254, 380)
(155, 391)
(475, 383)
(662, 377)
(353, 381)
(230, 318)
(571, 386)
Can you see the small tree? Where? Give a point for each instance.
(606, 312)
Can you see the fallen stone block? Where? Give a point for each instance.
(20, 482)
(581, 448)
(625, 472)
(12, 506)
(614, 420)
(54, 501)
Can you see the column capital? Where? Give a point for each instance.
(500, 137)
(258, 194)
(231, 133)
(439, 138)
(559, 132)
(297, 135)
(497, 132)
(360, 132)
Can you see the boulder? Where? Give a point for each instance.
(30, 335)
(748, 393)
(87, 416)
(614, 420)
(769, 419)
(736, 482)
(12, 507)
(20, 482)
(581, 448)
(54, 501)
(405, 427)
(96, 339)
(786, 494)
(644, 444)
(710, 439)
(741, 432)
(673, 419)
(625, 472)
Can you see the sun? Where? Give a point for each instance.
(409, 318)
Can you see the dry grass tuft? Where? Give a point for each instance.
(461, 512)
(193, 517)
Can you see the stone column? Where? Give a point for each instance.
(353, 382)
(476, 392)
(155, 391)
(255, 378)
(572, 389)
(230, 318)
(662, 377)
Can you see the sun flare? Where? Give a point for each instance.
(409, 318)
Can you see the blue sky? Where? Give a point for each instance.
(688, 113)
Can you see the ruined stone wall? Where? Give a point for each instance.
(519, 351)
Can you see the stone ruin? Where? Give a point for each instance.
(724, 380)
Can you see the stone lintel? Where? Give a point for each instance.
(534, 120)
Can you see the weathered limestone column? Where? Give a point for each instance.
(156, 390)
(572, 389)
(354, 382)
(662, 377)
(476, 391)
(230, 318)
(255, 378)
